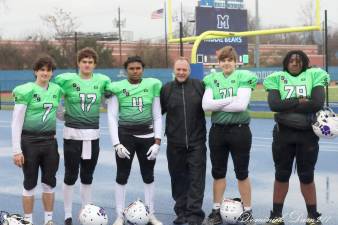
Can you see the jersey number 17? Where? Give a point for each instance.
(84, 105)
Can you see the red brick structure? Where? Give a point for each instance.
(270, 51)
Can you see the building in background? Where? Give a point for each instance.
(225, 4)
(106, 36)
(271, 54)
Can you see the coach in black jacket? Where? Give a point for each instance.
(181, 99)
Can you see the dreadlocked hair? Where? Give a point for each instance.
(305, 60)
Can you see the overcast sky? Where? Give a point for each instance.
(20, 18)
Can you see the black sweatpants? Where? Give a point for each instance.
(187, 171)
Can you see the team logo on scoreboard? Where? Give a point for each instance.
(223, 21)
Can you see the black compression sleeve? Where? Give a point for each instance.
(276, 104)
(315, 103)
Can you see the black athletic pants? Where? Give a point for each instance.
(72, 150)
(140, 146)
(39, 154)
(187, 171)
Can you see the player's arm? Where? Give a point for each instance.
(163, 100)
(211, 104)
(157, 120)
(113, 112)
(240, 102)
(17, 124)
(314, 104)
(276, 104)
(60, 112)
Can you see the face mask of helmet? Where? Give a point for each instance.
(231, 210)
(137, 213)
(93, 215)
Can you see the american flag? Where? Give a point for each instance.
(157, 14)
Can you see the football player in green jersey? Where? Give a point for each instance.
(135, 123)
(33, 136)
(227, 96)
(82, 95)
(295, 94)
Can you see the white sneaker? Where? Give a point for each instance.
(154, 221)
(119, 221)
(50, 222)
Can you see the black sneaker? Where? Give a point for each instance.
(194, 223)
(246, 218)
(314, 220)
(180, 219)
(275, 219)
(69, 221)
(214, 218)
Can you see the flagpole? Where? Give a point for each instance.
(170, 19)
(165, 34)
(181, 32)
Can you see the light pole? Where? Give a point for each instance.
(120, 41)
(257, 38)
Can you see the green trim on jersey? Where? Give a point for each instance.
(227, 86)
(83, 99)
(136, 100)
(41, 105)
(296, 86)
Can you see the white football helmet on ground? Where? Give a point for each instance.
(13, 219)
(3, 217)
(137, 213)
(325, 124)
(231, 210)
(93, 215)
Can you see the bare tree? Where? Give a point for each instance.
(188, 23)
(333, 48)
(153, 56)
(251, 27)
(11, 57)
(307, 16)
(62, 22)
(64, 25)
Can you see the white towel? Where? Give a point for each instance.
(86, 150)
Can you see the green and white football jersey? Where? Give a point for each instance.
(82, 99)
(227, 86)
(41, 105)
(135, 100)
(296, 86)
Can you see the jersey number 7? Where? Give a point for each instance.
(48, 107)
